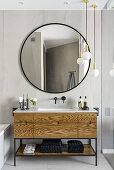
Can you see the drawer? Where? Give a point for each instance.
(55, 131)
(82, 117)
(55, 125)
(23, 125)
(23, 117)
(87, 125)
(53, 118)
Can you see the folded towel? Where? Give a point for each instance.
(28, 152)
(29, 148)
(51, 146)
(75, 146)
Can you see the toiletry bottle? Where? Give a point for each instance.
(27, 102)
(80, 103)
(20, 102)
(85, 102)
(85, 107)
(23, 103)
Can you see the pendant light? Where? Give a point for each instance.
(86, 53)
(80, 60)
(111, 73)
(95, 72)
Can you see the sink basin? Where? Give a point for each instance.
(56, 109)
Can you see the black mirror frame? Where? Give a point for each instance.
(21, 57)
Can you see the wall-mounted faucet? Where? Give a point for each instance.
(63, 98)
(55, 98)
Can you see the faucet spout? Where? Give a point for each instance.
(55, 98)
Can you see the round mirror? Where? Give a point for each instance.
(49, 56)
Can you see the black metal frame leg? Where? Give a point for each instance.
(14, 152)
(96, 151)
(90, 142)
(20, 141)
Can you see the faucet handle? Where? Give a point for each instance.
(63, 98)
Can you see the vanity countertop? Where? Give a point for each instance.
(56, 110)
(3, 128)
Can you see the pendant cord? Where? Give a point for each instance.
(86, 21)
(94, 35)
(80, 45)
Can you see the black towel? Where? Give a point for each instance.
(51, 146)
(75, 146)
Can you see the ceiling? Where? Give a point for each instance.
(48, 4)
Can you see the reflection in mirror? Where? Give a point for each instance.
(49, 58)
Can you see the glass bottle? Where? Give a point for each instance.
(80, 103)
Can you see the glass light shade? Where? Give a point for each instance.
(86, 55)
(111, 73)
(95, 72)
(80, 61)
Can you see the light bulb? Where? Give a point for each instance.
(111, 73)
(95, 72)
(86, 54)
(80, 60)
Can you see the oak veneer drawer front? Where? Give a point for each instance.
(87, 117)
(87, 125)
(55, 132)
(55, 117)
(23, 117)
(55, 125)
(23, 130)
(23, 125)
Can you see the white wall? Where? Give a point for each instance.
(16, 25)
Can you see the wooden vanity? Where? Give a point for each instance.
(73, 125)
